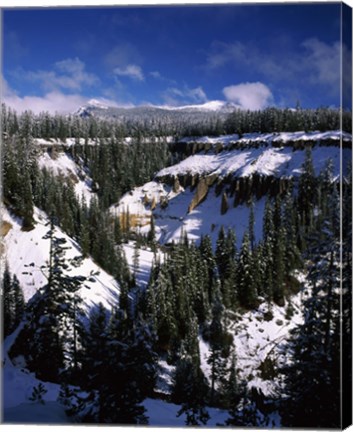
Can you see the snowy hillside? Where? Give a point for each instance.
(23, 248)
(63, 165)
(270, 138)
(173, 200)
(265, 160)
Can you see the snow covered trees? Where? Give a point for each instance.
(313, 375)
(12, 302)
(53, 327)
(119, 369)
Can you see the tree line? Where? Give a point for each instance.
(179, 124)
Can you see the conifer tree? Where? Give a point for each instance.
(12, 301)
(53, 329)
(190, 386)
(246, 284)
(252, 225)
(127, 375)
(313, 376)
(207, 256)
(218, 348)
(279, 267)
(307, 189)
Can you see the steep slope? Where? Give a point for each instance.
(213, 187)
(29, 248)
(62, 165)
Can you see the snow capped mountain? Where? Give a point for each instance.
(97, 108)
(90, 107)
(97, 104)
(215, 105)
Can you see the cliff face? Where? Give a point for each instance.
(200, 194)
(215, 184)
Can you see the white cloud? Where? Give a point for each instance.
(252, 96)
(68, 74)
(176, 96)
(222, 53)
(312, 62)
(53, 102)
(122, 55)
(324, 61)
(156, 74)
(132, 71)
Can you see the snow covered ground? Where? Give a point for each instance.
(173, 219)
(63, 165)
(23, 248)
(276, 161)
(274, 137)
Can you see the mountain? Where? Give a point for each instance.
(95, 108)
(233, 290)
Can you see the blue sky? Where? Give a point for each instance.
(251, 55)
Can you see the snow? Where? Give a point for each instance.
(257, 338)
(269, 138)
(63, 165)
(215, 105)
(279, 162)
(165, 377)
(145, 261)
(175, 219)
(17, 387)
(26, 247)
(206, 218)
(48, 413)
(161, 413)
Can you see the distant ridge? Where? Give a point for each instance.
(96, 108)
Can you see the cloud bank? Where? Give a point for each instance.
(131, 71)
(251, 96)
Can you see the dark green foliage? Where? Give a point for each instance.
(190, 387)
(12, 302)
(53, 328)
(347, 294)
(218, 346)
(114, 361)
(123, 375)
(307, 190)
(246, 282)
(313, 376)
(277, 120)
(38, 393)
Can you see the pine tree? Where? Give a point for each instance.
(292, 254)
(307, 189)
(95, 346)
(12, 300)
(246, 284)
(218, 347)
(347, 293)
(136, 259)
(128, 373)
(54, 325)
(252, 225)
(190, 386)
(151, 237)
(313, 375)
(279, 268)
(207, 256)
(231, 388)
